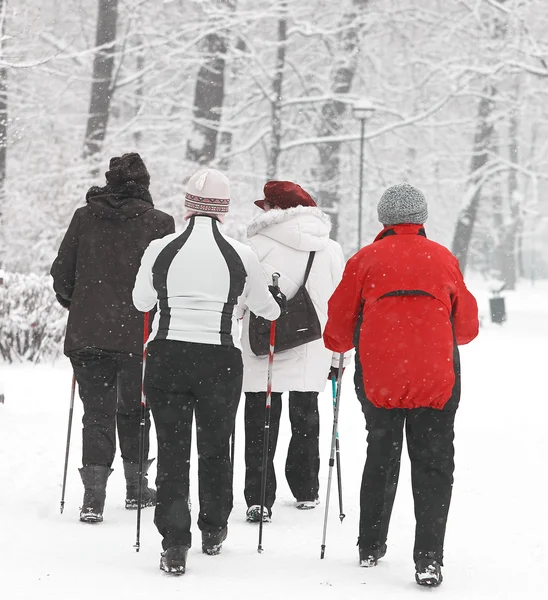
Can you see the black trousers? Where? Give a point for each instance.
(110, 388)
(303, 456)
(181, 379)
(430, 435)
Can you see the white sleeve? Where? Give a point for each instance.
(256, 295)
(144, 294)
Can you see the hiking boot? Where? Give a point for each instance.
(94, 478)
(307, 504)
(253, 514)
(370, 558)
(428, 572)
(173, 560)
(131, 471)
(212, 542)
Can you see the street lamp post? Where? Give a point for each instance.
(362, 110)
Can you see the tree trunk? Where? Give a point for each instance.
(480, 158)
(209, 96)
(277, 89)
(497, 23)
(139, 90)
(511, 231)
(102, 84)
(225, 146)
(327, 172)
(3, 128)
(493, 256)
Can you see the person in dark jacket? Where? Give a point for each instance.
(403, 302)
(93, 276)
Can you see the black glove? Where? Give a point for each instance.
(334, 373)
(280, 298)
(64, 303)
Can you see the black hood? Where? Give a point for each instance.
(121, 202)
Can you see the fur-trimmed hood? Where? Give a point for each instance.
(303, 227)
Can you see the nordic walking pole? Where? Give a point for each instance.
(275, 278)
(142, 426)
(332, 454)
(69, 430)
(338, 454)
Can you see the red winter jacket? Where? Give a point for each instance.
(409, 294)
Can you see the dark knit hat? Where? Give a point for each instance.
(285, 194)
(129, 167)
(402, 203)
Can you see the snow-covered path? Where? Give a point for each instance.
(496, 539)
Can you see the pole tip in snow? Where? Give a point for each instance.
(323, 551)
(260, 549)
(342, 516)
(137, 547)
(62, 507)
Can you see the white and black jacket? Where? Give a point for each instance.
(201, 280)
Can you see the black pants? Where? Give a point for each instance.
(110, 388)
(303, 456)
(430, 435)
(182, 378)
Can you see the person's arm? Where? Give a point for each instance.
(63, 269)
(256, 295)
(144, 295)
(464, 311)
(337, 269)
(344, 309)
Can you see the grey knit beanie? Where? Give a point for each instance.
(402, 203)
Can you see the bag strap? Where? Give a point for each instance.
(308, 267)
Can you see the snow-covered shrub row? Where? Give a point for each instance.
(32, 323)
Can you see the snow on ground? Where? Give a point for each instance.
(496, 538)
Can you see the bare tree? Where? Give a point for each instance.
(483, 141)
(277, 93)
(102, 84)
(332, 112)
(209, 93)
(508, 246)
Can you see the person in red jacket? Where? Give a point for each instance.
(403, 304)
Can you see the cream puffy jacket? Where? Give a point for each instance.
(282, 240)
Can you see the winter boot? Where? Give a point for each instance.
(370, 558)
(131, 471)
(428, 572)
(173, 560)
(253, 514)
(94, 478)
(212, 542)
(307, 504)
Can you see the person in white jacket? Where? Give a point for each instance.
(196, 280)
(291, 227)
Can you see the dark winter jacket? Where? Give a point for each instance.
(97, 264)
(414, 308)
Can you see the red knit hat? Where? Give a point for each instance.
(285, 194)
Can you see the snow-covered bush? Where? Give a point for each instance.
(32, 324)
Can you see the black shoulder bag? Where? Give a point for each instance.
(300, 324)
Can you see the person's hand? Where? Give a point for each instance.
(334, 373)
(280, 298)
